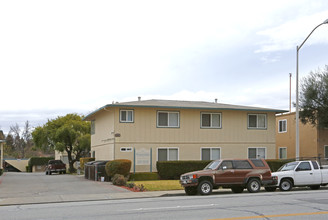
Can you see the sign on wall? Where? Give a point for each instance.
(142, 156)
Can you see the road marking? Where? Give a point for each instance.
(274, 216)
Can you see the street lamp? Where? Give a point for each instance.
(297, 98)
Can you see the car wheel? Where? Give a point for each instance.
(315, 187)
(253, 185)
(237, 189)
(285, 185)
(49, 172)
(205, 187)
(191, 190)
(270, 189)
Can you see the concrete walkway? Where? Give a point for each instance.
(37, 188)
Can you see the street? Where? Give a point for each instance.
(37, 196)
(300, 204)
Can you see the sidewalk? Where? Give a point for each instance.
(86, 197)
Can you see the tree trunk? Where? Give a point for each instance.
(70, 160)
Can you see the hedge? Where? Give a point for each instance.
(120, 166)
(1, 172)
(143, 176)
(173, 169)
(39, 161)
(276, 164)
(85, 160)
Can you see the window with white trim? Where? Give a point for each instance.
(282, 152)
(213, 153)
(257, 121)
(126, 116)
(167, 119)
(257, 152)
(282, 126)
(210, 120)
(167, 154)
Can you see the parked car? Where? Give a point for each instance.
(55, 166)
(234, 174)
(301, 173)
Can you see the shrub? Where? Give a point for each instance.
(1, 172)
(143, 176)
(39, 161)
(173, 169)
(119, 180)
(276, 164)
(85, 160)
(121, 166)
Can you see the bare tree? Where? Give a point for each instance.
(21, 141)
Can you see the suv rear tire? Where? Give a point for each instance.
(205, 187)
(253, 185)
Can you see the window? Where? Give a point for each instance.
(282, 153)
(93, 127)
(166, 154)
(167, 119)
(282, 127)
(304, 166)
(126, 116)
(210, 153)
(256, 153)
(326, 152)
(257, 121)
(315, 165)
(210, 120)
(258, 163)
(227, 164)
(126, 149)
(241, 164)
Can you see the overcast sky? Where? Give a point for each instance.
(59, 57)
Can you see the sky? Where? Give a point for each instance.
(75, 56)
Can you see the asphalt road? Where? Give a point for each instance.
(223, 204)
(304, 204)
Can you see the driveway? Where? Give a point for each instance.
(41, 187)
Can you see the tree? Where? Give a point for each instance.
(314, 98)
(21, 142)
(65, 134)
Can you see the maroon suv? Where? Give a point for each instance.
(55, 166)
(236, 174)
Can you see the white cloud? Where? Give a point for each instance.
(289, 34)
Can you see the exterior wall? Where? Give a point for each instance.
(102, 141)
(233, 139)
(308, 138)
(323, 141)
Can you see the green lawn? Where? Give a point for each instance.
(160, 185)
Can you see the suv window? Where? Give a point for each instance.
(227, 164)
(242, 164)
(258, 163)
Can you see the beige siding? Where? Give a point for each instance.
(233, 139)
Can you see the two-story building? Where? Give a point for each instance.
(313, 141)
(159, 130)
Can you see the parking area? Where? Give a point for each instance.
(27, 185)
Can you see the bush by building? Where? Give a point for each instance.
(85, 160)
(120, 166)
(118, 180)
(171, 170)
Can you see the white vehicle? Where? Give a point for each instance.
(301, 173)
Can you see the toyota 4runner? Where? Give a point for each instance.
(235, 174)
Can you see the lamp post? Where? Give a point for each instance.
(2, 140)
(297, 98)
